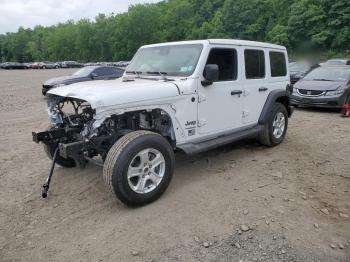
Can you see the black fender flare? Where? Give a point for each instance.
(281, 96)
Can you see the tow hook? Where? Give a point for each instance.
(46, 186)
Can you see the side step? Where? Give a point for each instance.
(195, 148)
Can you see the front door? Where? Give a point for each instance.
(220, 104)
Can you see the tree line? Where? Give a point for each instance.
(301, 25)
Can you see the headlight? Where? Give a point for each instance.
(58, 85)
(295, 90)
(339, 91)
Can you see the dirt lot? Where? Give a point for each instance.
(243, 202)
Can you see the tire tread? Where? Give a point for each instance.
(265, 135)
(114, 153)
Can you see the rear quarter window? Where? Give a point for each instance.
(278, 64)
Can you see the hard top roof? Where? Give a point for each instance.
(223, 42)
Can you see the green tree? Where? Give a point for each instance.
(307, 24)
(317, 25)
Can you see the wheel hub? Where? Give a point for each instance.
(146, 171)
(278, 125)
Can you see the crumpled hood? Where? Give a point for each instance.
(63, 80)
(318, 85)
(116, 92)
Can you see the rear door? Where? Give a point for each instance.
(256, 83)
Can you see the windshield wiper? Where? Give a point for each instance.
(162, 74)
(139, 76)
(322, 79)
(134, 73)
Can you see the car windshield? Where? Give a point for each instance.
(329, 74)
(170, 60)
(85, 71)
(296, 67)
(336, 62)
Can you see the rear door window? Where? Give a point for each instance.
(278, 64)
(254, 64)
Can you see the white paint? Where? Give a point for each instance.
(214, 110)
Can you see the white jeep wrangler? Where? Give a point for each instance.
(184, 96)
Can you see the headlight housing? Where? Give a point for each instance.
(339, 91)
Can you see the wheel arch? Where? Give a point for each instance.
(169, 134)
(276, 96)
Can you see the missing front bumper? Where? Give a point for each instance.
(48, 136)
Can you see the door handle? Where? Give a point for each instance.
(236, 92)
(263, 89)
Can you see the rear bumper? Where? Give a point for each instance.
(320, 101)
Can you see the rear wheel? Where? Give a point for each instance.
(276, 127)
(139, 167)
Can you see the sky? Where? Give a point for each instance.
(29, 13)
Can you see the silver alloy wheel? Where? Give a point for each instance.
(146, 171)
(278, 125)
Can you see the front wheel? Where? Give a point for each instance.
(275, 129)
(139, 167)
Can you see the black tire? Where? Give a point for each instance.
(347, 100)
(267, 136)
(50, 151)
(121, 155)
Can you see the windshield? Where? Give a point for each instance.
(172, 60)
(303, 68)
(329, 74)
(85, 71)
(336, 62)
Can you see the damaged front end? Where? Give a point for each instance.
(78, 134)
(81, 135)
(68, 128)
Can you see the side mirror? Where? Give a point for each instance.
(211, 74)
(94, 75)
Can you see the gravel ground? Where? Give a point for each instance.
(243, 202)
